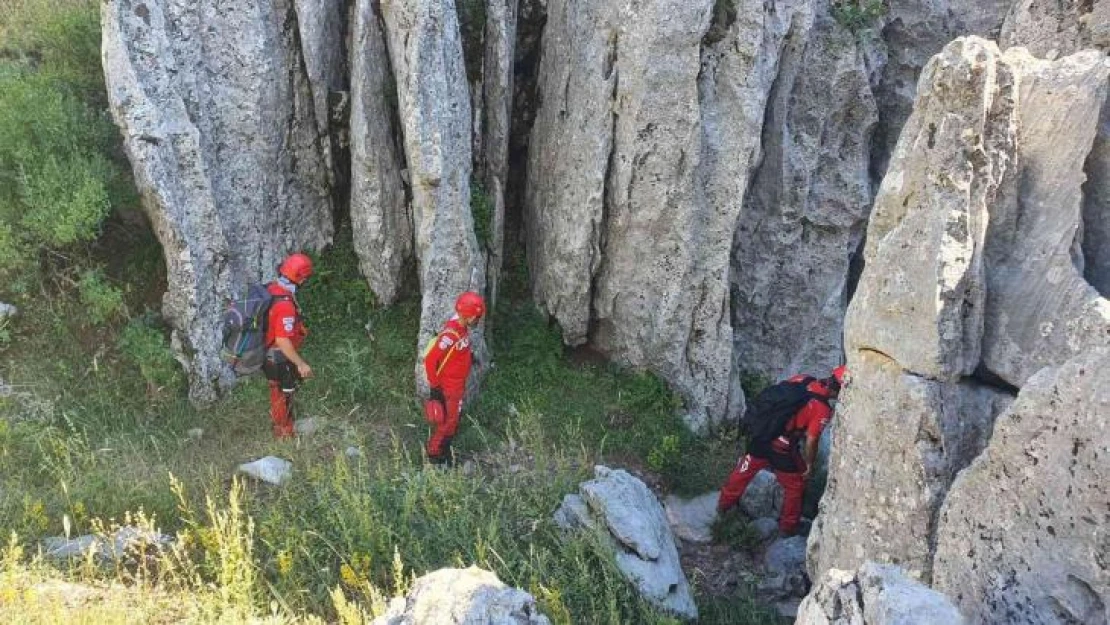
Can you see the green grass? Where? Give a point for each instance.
(94, 427)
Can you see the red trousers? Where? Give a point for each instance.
(444, 431)
(281, 410)
(793, 486)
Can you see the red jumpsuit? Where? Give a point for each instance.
(447, 366)
(284, 321)
(782, 457)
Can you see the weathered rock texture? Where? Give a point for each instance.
(322, 26)
(640, 155)
(497, 109)
(911, 33)
(1041, 553)
(434, 104)
(464, 596)
(967, 217)
(624, 508)
(1050, 29)
(875, 595)
(381, 221)
(220, 127)
(805, 212)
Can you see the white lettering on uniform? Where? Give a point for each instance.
(445, 342)
(287, 323)
(463, 344)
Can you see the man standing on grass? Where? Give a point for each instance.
(447, 365)
(285, 332)
(786, 414)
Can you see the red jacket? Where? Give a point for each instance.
(285, 318)
(447, 365)
(814, 416)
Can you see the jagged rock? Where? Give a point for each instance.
(381, 222)
(645, 549)
(125, 541)
(322, 27)
(497, 110)
(1040, 310)
(469, 596)
(968, 276)
(765, 528)
(692, 519)
(785, 566)
(434, 104)
(1054, 28)
(271, 469)
(217, 120)
(875, 595)
(572, 137)
(763, 498)
(1040, 551)
(912, 32)
(7, 310)
(805, 211)
(353, 453)
(1096, 208)
(195, 434)
(306, 427)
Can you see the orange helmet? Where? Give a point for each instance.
(296, 267)
(840, 376)
(470, 304)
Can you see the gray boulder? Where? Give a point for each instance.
(805, 212)
(218, 121)
(692, 519)
(1037, 551)
(381, 222)
(765, 528)
(784, 564)
(625, 509)
(763, 498)
(125, 542)
(433, 98)
(271, 469)
(1054, 28)
(969, 288)
(875, 595)
(469, 596)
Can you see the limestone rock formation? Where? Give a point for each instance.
(875, 595)
(219, 124)
(497, 110)
(911, 33)
(434, 105)
(381, 221)
(805, 212)
(968, 289)
(1042, 552)
(322, 26)
(636, 183)
(465, 596)
(1057, 28)
(645, 550)
(1040, 310)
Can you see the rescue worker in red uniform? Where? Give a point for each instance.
(447, 366)
(782, 456)
(284, 366)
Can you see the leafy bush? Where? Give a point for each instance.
(60, 174)
(858, 15)
(145, 346)
(103, 302)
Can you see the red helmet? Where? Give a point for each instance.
(296, 267)
(840, 374)
(470, 304)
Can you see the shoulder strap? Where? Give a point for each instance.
(447, 356)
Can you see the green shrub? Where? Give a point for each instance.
(858, 15)
(666, 455)
(60, 169)
(103, 302)
(481, 211)
(145, 346)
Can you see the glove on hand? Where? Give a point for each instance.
(436, 394)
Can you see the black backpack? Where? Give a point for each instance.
(767, 415)
(244, 330)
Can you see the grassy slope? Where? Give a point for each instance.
(83, 436)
